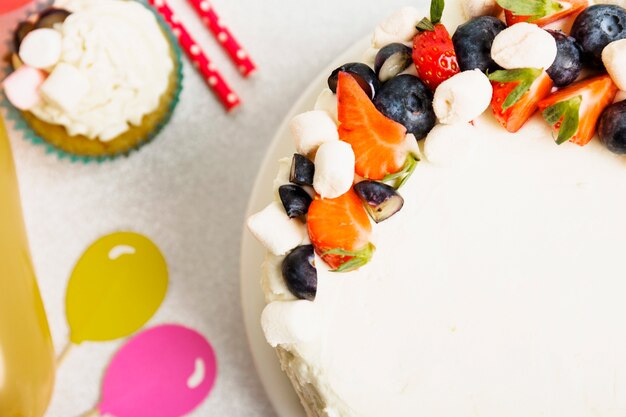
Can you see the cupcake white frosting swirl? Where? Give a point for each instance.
(120, 48)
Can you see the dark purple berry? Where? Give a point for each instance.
(299, 272)
(409, 102)
(596, 27)
(364, 75)
(50, 17)
(380, 200)
(391, 60)
(295, 200)
(302, 170)
(472, 43)
(568, 63)
(612, 127)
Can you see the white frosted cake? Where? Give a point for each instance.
(497, 286)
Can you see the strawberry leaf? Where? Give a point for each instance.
(358, 258)
(525, 77)
(404, 174)
(568, 113)
(534, 8)
(425, 25)
(436, 11)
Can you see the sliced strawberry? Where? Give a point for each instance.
(516, 94)
(540, 12)
(379, 143)
(340, 229)
(574, 111)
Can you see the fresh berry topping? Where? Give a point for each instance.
(596, 27)
(408, 101)
(540, 12)
(299, 272)
(612, 127)
(568, 63)
(50, 17)
(574, 111)
(433, 55)
(340, 230)
(364, 75)
(472, 43)
(516, 94)
(23, 29)
(378, 142)
(295, 200)
(391, 60)
(380, 200)
(302, 170)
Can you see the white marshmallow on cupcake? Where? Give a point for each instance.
(22, 87)
(311, 129)
(275, 230)
(334, 169)
(614, 59)
(463, 97)
(65, 87)
(524, 45)
(41, 48)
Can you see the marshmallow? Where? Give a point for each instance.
(275, 230)
(620, 96)
(65, 87)
(289, 322)
(614, 59)
(22, 87)
(327, 101)
(477, 8)
(311, 129)
(399, 27)
(463, 97)
(41, 48)
(272, 281)
(524, 45)
(447, 143)
(334, 169)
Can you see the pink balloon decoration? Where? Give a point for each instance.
(165, 371)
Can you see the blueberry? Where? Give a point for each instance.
(472, 43)
(299, 272)
(596, 27)
(612, 127)
(295, 200)
(23, 29)
(302, 170)
(391, 60)
(364, 75)
(380, 200)
(50, 17)
(568, 63)
(408, 101)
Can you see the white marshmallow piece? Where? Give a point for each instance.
(477, 8)
(614, 59)
(524, 45)
(275, 230)
(620, 96)
(334, 169)
(327, 101)
(65, 87)
(463, 97)
(447, 144)
(398, 27)
(289, 322)
(41, 48)
(22, 87)
(311, 129)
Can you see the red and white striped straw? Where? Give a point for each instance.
(213, 78)
(237, 54)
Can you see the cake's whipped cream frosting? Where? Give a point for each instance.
(121, 50)
(490, 294)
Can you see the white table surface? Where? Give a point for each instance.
(187, 190)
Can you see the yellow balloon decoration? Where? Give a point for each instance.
(115, 288)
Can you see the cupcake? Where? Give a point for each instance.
(94, 79)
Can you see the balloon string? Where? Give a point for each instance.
(66, 351)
